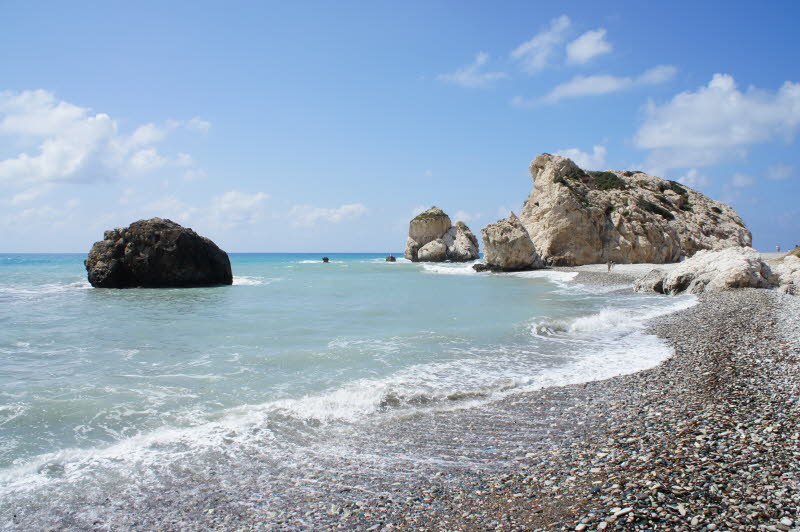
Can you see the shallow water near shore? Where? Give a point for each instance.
(100, 387)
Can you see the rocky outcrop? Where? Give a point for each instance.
(508, 247)
(652, 282)
(788, 272)
(576, 217)
(432, 238)
(712, 271)
(156, 253)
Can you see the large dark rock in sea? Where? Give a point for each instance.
(156, 253)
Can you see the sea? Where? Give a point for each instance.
(104, 390)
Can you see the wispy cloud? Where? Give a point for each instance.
(535, 54)
(601, 84)
(693, 178)
(309, 215)
(588, 46)
(742, 180)
(780, 171)
(473, 75)
(235, 208)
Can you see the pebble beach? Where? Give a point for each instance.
(707, 440)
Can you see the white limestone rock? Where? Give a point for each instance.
(788, 272)
(726, 269)
(507, 246)
(574, 217)
(458, 242)
(462, 244)
(652, 282)
(433, 251)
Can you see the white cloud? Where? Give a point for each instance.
(503, 212)
(465, 217)
(308, 215)
(780, 171)
(742, 180)
(235, 208)
(535, 54)
(589, 161)
(41, 214)
(68, 143)
(198, 124)
(588, 46)
(473, 75)
(717, 122)
(605, 84)
(146, 160)
(693, 178)
(30, 194)
(194, 174)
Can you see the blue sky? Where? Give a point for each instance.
(324, 127)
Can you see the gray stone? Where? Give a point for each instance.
(156, 253)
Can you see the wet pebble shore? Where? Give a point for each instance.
(708, 440)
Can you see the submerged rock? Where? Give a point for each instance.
(712, 271)
(508, 247)
(325, 260)
(156, 253)
(391, 258)
(576, 217)
(432, 238)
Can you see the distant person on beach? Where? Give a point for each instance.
(612, 265)
(777, 249)
(608, 265)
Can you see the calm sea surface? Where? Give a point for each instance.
(97, 385)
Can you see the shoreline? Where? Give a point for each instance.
(707, 437)
(707, 440)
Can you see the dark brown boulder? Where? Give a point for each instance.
(156, 253)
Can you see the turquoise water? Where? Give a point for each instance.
(97, 381)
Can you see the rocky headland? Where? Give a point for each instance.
(433, 238)
(576, 217)
(156, 253)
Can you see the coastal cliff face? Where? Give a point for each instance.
(156, 253)
(576, 217)
(507, 246)
(433, 238)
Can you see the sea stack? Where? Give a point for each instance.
(432, 238)
(576, 217)
(507, 247)
(156, 253)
